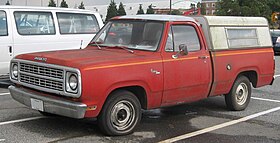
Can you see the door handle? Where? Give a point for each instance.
(10, 49)
(202, 57)
(155, 72)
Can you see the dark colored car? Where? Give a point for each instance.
(275, 36)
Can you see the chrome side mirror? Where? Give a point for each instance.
(183, 50)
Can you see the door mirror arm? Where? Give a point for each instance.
(183, 50)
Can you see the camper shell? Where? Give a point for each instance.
(230, 32)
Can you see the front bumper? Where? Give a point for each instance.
(52, 105)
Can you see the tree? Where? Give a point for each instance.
(150, 10)
(228, 7)
(111, 11)
(121, 10)
(247, 7)
(274, 5)
(52, 3)
(202, 8)
(8, 3)
(140, 10)
(176, 12)
(63, 4)
(81, 6)
(198, 5)
(192, 6)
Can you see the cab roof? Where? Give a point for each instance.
(157, 17)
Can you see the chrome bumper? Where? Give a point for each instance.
(57, 106)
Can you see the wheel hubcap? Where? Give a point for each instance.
(241, 93)
(122, 115)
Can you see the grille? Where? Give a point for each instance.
(46, 77)
(40, 70)
(42, 82)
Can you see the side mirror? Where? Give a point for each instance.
(183, 50)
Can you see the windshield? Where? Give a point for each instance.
(139, 35)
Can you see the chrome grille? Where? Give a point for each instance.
(49, 78)
(42, 82)
(41, 76)
(41, 70)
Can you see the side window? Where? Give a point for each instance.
(3, 24)
(73, 23)
(34, 23)
(242, 38)
(183, 34)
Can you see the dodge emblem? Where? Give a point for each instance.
(40, 59)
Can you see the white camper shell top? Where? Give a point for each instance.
(236, 21)
(233, 32)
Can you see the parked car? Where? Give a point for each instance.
(275, 37)
(34, 29)
(167, 60)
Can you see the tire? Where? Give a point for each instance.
(120, 114)
(239, 96)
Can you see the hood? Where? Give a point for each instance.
(85, 57)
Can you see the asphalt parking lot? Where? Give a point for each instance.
(204, 121)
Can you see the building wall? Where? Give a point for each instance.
(210, 6)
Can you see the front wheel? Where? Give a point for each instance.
(120, 114)
(239, 95)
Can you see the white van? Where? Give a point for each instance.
(33, 29)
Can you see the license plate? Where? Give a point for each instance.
(37, 104)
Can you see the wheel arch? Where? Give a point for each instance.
(137, 90)
(252, 75)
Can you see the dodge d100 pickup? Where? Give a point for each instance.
(145, 62)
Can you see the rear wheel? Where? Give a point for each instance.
(239, 95)
(120, 114)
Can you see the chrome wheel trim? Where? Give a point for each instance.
(241, 94)
(123, 115)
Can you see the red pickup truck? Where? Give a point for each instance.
(145, 62)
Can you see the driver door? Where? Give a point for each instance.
(186, 78)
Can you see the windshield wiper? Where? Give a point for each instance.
(95, 43)
(121, 47)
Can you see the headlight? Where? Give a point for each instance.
(73, 82)
(14, 70)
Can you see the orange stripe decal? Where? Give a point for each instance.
(173, 60)
(140, 63)
(122, 65)
(242, 53)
